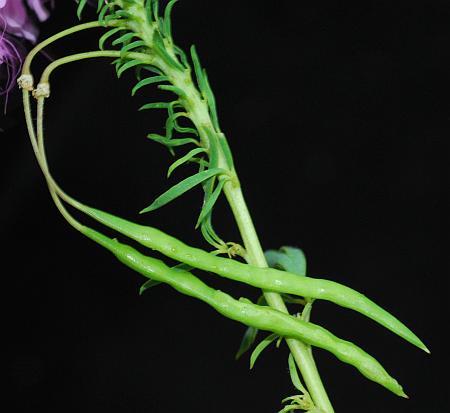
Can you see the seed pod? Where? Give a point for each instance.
(268, 279)
(260, 317)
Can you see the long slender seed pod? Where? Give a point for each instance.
(268, 279)
(263, 318)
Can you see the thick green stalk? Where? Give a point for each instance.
(255, 256)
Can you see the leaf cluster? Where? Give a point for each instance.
(139, 26)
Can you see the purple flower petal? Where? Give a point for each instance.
(10, 64)
(17, 21)
(38, 7)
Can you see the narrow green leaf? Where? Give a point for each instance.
(226, 150)
(157, 105)
(260, 348)
(169, 125)
(180, 52)
(182, 267)
(172, 123)
(292, 299)
(100, 4)
(247, 341)
(183, 129)
(161, 49)
(206, 226)
(289, 259)
(211, 102)
(198, 70)
(208, 206)
(124, 38)
(81, 4)
(184, 159)
(124, 14)
(210, 234)
(148, 11)
(294, 374)
(107, 35)
(156, 9)
(148, 81)
(168, 17)
(102, 15)
(171, 143)
(173, 89)
(182, 187)
(149, 68)
(261, 300)
(110, 17)
(132, 46)
(128, 65)
(148, 284)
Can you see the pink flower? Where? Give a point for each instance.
(17, 21)
(10, 65)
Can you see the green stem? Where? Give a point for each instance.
(90, 55)
(57, 36)
(301, 352)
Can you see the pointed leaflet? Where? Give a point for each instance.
(132, 46)
(81, 4)
(161, 49)
(173, 89)
(294, 375)
(261, 347)
(148, 81)
(167, 18)
(149, 68)
(148, 11)
(148, 284)
(226, 150)
(209, 204)
(182, 187)
(180, 52)
(184, 159)
(170, 143)
(102, 15)
(156, 105)
(107, 35)
(210, 234)
(198, 70)
(250, 334)
(122, 13)
(155, 9)
(247, 341)
(172, 122)
(289, 259)
(211, 102)
(128, 65)
(124, 38)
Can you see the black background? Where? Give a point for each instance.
(337, 114)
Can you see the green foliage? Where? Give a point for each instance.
(81, 5)
(182, 187)
(295, 378)
(148, 81)
(247, 341)
(158, 55)
(261, 347)
(189, 157)
(290, 259)
(147, 285)
(172, 68)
